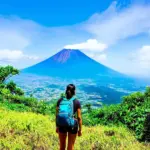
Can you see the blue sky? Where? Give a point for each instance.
(115, 33)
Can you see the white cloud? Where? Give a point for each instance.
(91, 48)
(16, 33)
(7, 55)
(143, 57)
(89, 45)
(140, 61)
(100, 57)
(107, 27)
(113, 25)
(24, 34)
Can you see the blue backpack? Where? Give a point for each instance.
(65, 117)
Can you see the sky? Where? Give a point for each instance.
(115, 33)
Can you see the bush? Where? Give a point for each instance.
(43, 108)
(131, 112)
(16, 107)
(107, 115)
(146, 133)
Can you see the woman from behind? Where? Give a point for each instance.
(70, 131)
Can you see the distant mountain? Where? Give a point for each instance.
(72, 64)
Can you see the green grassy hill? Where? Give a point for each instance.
(28, 131)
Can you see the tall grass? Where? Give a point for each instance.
(28, 131)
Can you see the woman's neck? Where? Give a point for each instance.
(69, 97)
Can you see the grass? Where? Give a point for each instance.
(28, 131)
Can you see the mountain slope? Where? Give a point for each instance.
(71, 64)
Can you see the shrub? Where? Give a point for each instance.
(146, 133)
(131, 112)
(16, 107)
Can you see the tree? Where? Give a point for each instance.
(19, 91)
(1, 87)
(147, 93)
(7, 72)
(11, 86)
(88, 107)
(14, 89)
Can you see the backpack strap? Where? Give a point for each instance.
(72, 105)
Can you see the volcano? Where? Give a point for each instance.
(72, 64)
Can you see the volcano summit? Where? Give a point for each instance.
(72, 64)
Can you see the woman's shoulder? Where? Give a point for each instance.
(58, 101)
(77, 103)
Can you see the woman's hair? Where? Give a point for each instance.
(70, 91)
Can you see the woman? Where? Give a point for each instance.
(72, 132)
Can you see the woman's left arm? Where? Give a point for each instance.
(79, 121)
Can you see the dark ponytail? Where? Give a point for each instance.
(70, 91)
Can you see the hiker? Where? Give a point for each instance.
(68, 118)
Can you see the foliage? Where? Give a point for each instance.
(16, 101)
(43, 108)
(107, 115)
(10, 87)
(88, 107)
(7, 72)
(13, 98)
(35, 131)
(131, 112)
(17, 107)
(14, 89)
(146, 135)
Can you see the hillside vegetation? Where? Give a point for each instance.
(28, 131)
(132, 113)
(13, 98)
(26, 123)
